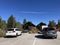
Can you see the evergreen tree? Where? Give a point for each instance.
(4, 26)
(58, 25)
(19, 25)
(52, 24)
(0, 22)
(24, 22)
(11, 23)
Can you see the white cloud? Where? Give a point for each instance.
(33, 12)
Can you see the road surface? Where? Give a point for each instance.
(30, 39)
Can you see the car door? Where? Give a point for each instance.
(18, 31)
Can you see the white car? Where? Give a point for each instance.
(13, 32)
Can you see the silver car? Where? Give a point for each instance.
(50, 32)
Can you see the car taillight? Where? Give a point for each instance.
(13, 31)
(55, 30)
(44, 31)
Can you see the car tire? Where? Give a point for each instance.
(20, 34)
(55, 37)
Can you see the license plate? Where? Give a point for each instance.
(51, 33)
(9, 32)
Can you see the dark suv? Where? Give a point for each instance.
(49, 32)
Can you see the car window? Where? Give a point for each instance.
(51, 29)
(10, 29)
(17, 30)
(45, 29)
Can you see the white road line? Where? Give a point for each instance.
(34, 41)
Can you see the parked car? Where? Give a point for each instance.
(13, 32)
(49, 32)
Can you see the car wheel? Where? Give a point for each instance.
(55, 37)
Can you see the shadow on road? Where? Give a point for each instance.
(42, 37)
(10, 37)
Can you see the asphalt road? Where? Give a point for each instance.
(30, 39)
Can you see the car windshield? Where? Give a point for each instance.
(50, 28)
(17, 30)
(10, 29)
(47, 29)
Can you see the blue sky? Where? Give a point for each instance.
(35, 11)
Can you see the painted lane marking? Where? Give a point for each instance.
(34, 41)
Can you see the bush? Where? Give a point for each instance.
(33, 31)
(2, 33)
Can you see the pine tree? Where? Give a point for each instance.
(24, 22)
(0, 22)
(52, 24)
(11, 23)
(19, 25)
(58, 25)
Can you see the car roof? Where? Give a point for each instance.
(49, 27)
(13, 28)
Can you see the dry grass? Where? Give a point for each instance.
(2, 34)
(33, 31)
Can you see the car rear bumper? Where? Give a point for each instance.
(10, 34)
(50, 35)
